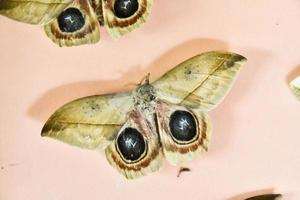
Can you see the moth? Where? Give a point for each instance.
(164, 119)
(77, 22)
(295, 87)
(266, 197)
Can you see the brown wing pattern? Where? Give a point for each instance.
(178, 152)
(150, 161)
(87, 34)
(120, 26)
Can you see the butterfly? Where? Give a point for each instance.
(295, 87)
(77, 22)
(164, 119)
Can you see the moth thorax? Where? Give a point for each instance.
(144, 97)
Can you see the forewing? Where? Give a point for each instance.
(77, 24)
(33, 11)
(118, 26)
(90, 122)
(177, 150)
(201, 81)
(150, 158)
(295, 87)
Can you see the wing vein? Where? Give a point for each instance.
(218, 67)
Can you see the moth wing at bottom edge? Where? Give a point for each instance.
(90, 122)
(177, 151)
(151, 158)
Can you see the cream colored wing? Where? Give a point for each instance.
(90, 122)
(136, 150)
(201, 81)
(295, 87)
(33, 11)
(123, 16)
(184, 133)
(77, 24)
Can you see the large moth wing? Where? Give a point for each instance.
(90, 122)
(200, 82)
(180, 149)
(118, 20)
(77, 24)
(136, 149)
(34, 11)
(295, 87)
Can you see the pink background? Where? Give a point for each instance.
(256, 140)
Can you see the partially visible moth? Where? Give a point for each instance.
(167, 118)
(295, 87)
(76, 22)
(266, 197)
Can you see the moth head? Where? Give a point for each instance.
(70, 20)
(125, 8)
(131, 145)
(183, 126)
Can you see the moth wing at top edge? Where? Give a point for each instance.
(201, 81)
(34, 11)
(120, 26)
(89, 33)
(90, 122)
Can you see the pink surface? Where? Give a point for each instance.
(256, 142)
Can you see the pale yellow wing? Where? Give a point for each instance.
(295, 87)
(201, 81)
(121, 17)
(90, 122)
(77, 24)
(32, 11)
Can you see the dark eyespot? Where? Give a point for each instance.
(70, 20)
(125, 8)
(131, 144)
(182, 125)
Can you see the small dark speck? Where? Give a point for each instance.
(2, 167)
(183, 169)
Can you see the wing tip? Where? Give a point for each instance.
(234, 56)
(45, 130)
